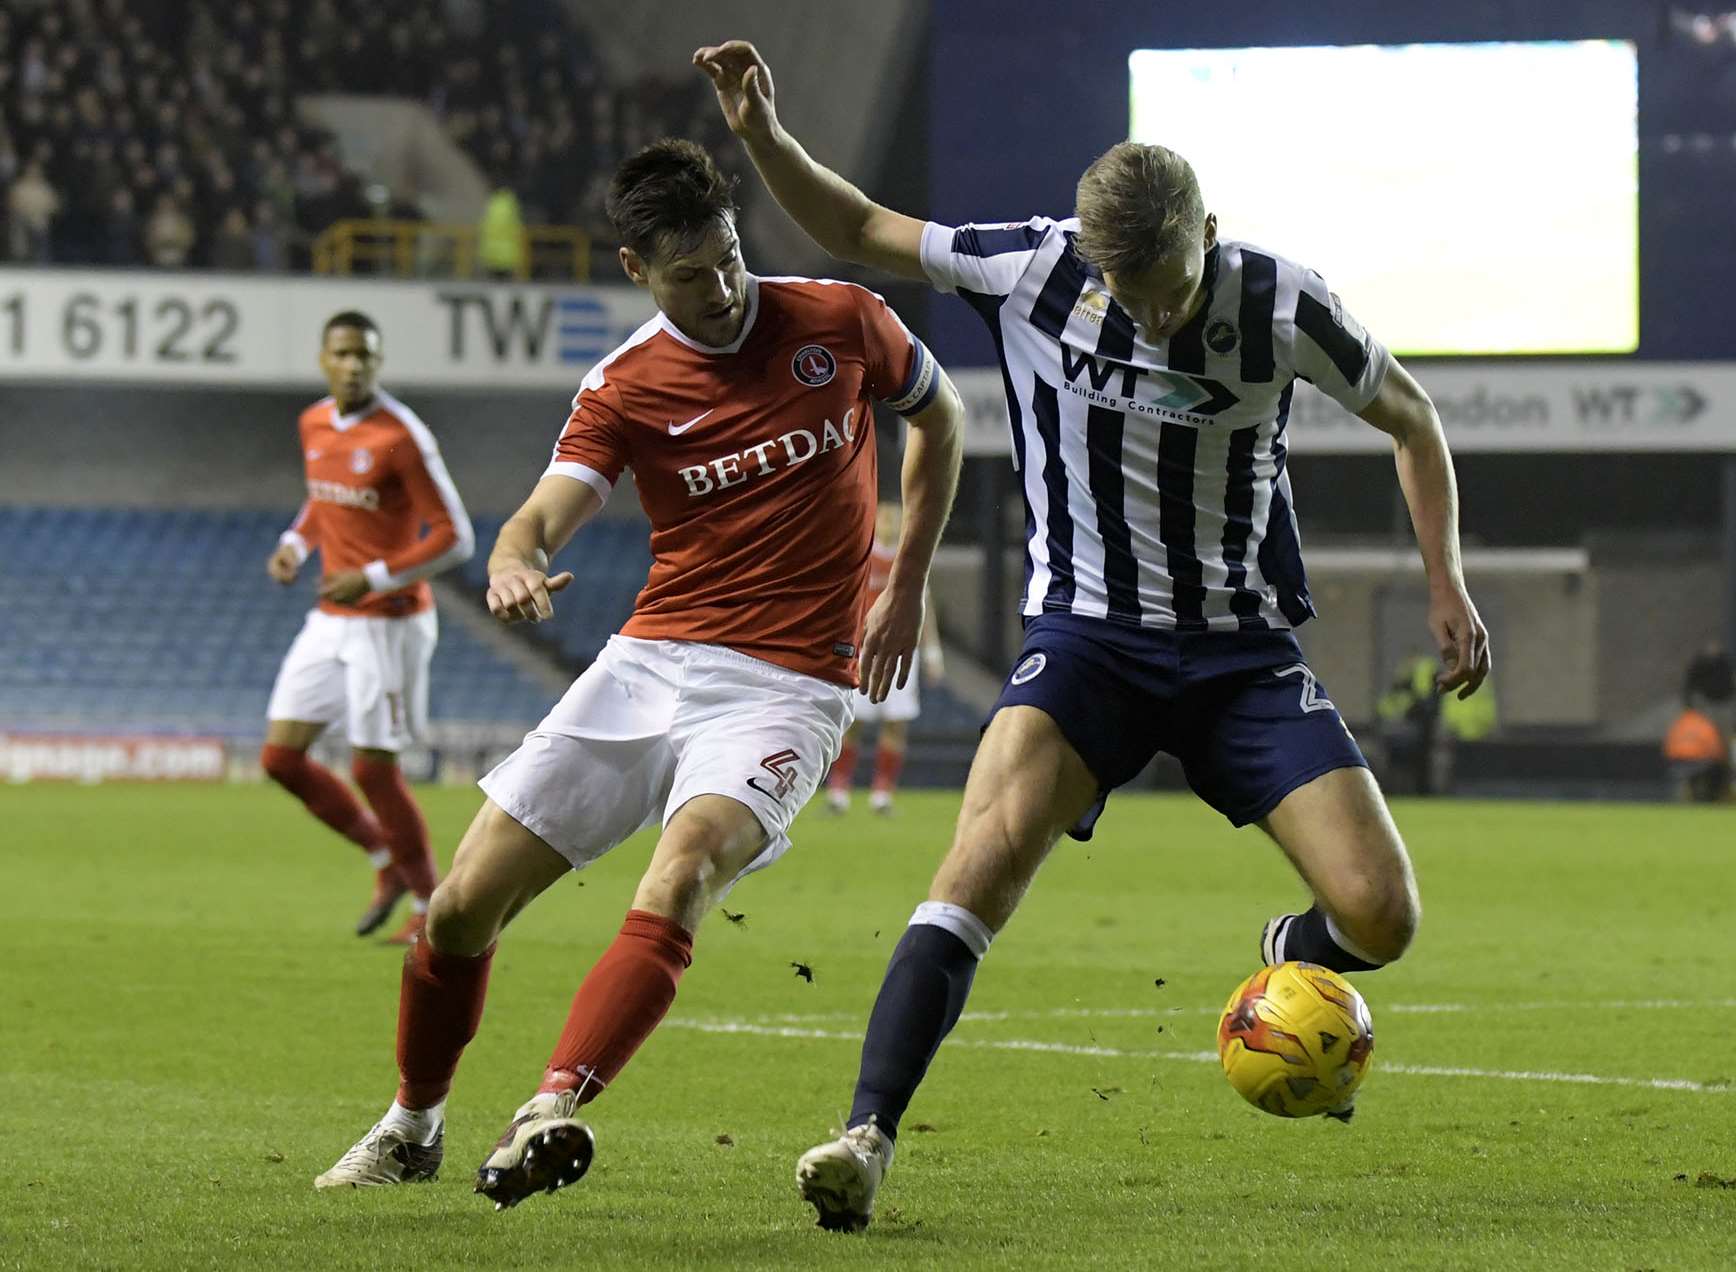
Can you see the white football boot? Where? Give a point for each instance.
(385, 1156)
(839, 1178)
(544, 1148)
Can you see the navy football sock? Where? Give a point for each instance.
(1313, 938)
(920, 999)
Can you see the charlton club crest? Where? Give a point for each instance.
(814, 365)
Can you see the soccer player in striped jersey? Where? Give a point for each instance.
(1149, 368)
(384, 516)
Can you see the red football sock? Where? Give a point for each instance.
(439, 1006)
(620, 1002)
(844, 770)
(324, 793)
(888, 763)
(406, 832)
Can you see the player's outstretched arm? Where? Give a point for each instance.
(930, 479)
(834, 213)
(519, 584)
(1425, 472)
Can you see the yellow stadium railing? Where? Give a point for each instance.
(428, 249)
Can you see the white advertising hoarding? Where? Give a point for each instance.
(1505, 406)
(189, 328)
(207, 328)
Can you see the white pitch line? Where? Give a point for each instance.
(1402, 1009)
(1207, 1057)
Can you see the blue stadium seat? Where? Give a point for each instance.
(171, 626)
(162, 620)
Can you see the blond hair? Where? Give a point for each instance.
(1137, 204)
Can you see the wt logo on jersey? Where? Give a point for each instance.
(1147, 390)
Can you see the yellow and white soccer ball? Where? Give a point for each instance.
(1295, 1040)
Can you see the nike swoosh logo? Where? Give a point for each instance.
(763, 791)
(676, 430)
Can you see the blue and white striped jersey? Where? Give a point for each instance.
(1154, 473)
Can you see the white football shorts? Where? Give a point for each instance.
(653, 723)
(371, 673)
(900, 704)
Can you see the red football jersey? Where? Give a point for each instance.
(375, 479)
(755, 464)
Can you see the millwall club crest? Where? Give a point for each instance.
(1221, 335)
(814, 365)
(1030, 669)
(360, 460)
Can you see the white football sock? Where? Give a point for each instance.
(420, 1125)
(959, 921)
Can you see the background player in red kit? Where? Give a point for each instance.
(893, 715)
(375, 479)
(743, 409)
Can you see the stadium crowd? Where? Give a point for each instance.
(156, 132)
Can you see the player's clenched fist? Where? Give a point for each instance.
(284, 564)
(523, 595)
(744, 86)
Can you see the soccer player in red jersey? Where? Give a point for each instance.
(375, 480)
(743, 409)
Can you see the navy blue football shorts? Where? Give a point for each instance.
(1241, 710)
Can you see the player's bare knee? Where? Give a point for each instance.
(1404, 914)
(702, 850)
(682, 879)
(1379, 914)
(464, 917)
(280, 762)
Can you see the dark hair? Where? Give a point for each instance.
(1137, 205)
(348, 318)
(668, 197)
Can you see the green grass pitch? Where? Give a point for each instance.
(188, 1034)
